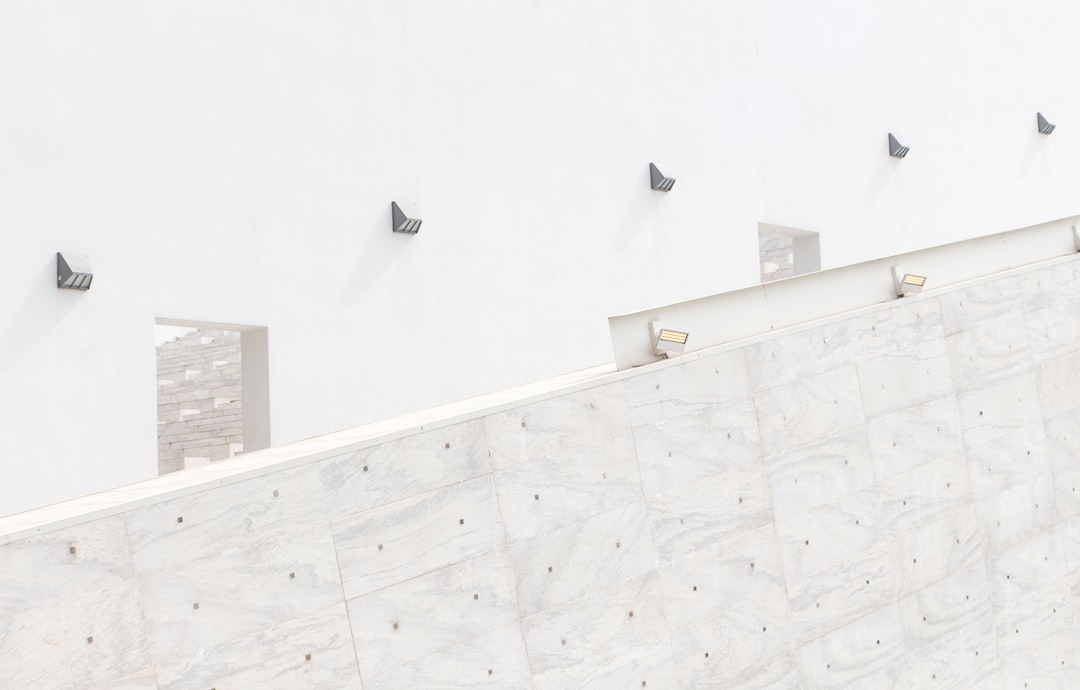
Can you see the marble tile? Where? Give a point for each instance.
(955, 603)
(908, 438)
(1016, 513)
(432, 613)
(967, 658)
(1056, 331)
(904, 377)
(924, 494)
(721, 577)
(827, 537)
(1044, 287)
(789, 357)
(1018, 578)
(749, 646)
(145, 679)
(1052, 662)
(809, 409)
(1066, 485)
(42, 570)
(901, 326)
(413, 465)
(239, 591)
(167, 534)
(839, 595)
(645, 666)
(1069, 533)
(709, 511)
(821, 472)
(539, 430)
(1029, 616)
(682, 449)
(496, 660)
(398, 541)
(572, 642)
(1058, 379)
(313, 652)
(925, 554)
(567, 486)
(690, 386)
(75, 643)
(970, 307)
(860, 649)
(565, 564)
(992, 350)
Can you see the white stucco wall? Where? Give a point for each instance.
(235, 162)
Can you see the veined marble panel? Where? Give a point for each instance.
(902, 326)
(1018, 578)
(749, 646)
(239, 591)
(709, 511)
(167, 534)
(1055, 331)
(854, 652)
(830, 536)
(837, 596)
(793, 356)
(1053, 662)
(738, 572)
(1012, 515)
(1058, 381)
(955, 603)
(991, 350)
(963, 310)
(809, 409)
(904, 377)
(496, 660)
(645, 666)
(1045, 287)
(145, 679)
(688, 387)
(821, 472)
(313, 652)
(61, 565)
(567, 486)
(431, 613)
(967, 658)
(565, 564)
(398, 541)
(1066, 493)
(570, 643)
(409, 466)
(75, 643)
(1069, 533)
(906, 439)
(924, 494)
(1030, 616)
(925, 554)
(682, 449)
(549, 427)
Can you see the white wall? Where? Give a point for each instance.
(235, 162)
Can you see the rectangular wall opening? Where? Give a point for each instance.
(784, 252)
(212, 392)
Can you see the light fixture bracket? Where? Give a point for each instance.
(401, 222)
(73, 271)
(896, 149)
(658, 181)
(1044, 125)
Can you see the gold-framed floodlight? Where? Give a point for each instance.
(667, 341)
(907, 283)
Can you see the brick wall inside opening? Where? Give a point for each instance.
(199, 405)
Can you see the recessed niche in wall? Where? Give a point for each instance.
(212, 393)
(784, 252)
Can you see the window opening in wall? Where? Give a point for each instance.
(784, 252)
(211, 393)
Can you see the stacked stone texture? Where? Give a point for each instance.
(199, 406)
(777, 257)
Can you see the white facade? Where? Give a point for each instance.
(235, 162)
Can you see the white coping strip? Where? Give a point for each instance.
(259, 463)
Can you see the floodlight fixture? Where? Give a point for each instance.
(73, 271)
(667, 341)
(657, 180)
(896, 149)
(401, 222)
(1044, 125)
(907, 283)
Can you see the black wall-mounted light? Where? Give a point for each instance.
(401, 222)
(73, 271)
(896, 149)
(657, 180)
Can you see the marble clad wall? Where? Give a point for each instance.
(884, 500)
